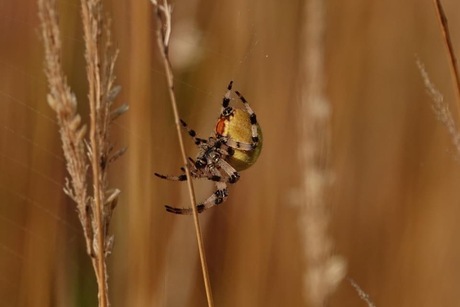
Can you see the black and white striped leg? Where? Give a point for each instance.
(192, 133)
(199, 173)
(232, 174)
(193, 172)
(218, 197)
(252, 118)
(224, 149)
(226, 100)
(181, 177)
(239, 145)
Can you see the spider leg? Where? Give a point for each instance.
(218, 197)
(192, 133)
(181, 177)
(252, 118)
(226, 99)
(198, 173)
(232, 175)
(226, 111)
(240, 145)
(194, 172)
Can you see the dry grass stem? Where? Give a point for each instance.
(362, 295)
(443, 23)
(325, 270)
(163, 14)
(95, 209)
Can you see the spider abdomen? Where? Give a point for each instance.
(238, 128)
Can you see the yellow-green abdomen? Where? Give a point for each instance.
(238, 128)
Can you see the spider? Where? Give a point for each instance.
(234, 146)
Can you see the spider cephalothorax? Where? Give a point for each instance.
(234, 146)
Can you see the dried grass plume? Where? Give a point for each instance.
(94, 205)
(325, 270)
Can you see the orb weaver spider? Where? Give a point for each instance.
(234, 146)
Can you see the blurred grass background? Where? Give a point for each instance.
(395, 197)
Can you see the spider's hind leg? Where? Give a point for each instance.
(194, 172)
(218, 197)
(181, 177)
(232, 175)
(240, 145)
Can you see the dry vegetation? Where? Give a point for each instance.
(95, 205)
(392, 202)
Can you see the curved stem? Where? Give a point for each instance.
(163, 34)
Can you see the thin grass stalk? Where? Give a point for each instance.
(443, 24)
(91, 29)
(163, 14)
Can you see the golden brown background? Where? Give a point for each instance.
(395, 199)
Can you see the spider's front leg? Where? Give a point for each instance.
(252, 119)
(226, 99)
(192, 133)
